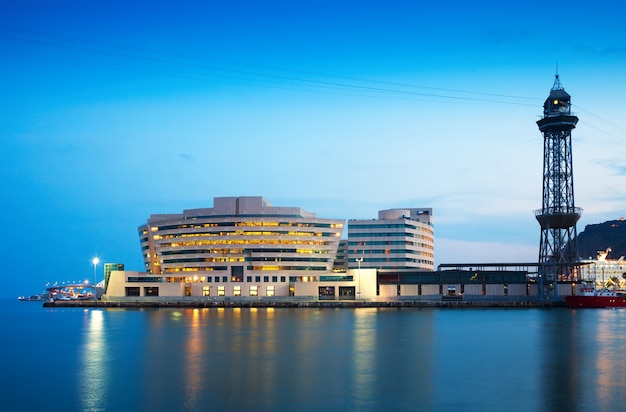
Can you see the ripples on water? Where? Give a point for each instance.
(313, 359)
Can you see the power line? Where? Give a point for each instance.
(256, 75)
(276, 73)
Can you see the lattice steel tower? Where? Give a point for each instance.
(558, 248)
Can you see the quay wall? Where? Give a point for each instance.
(465, 301)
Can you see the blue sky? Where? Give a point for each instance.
(113, 111)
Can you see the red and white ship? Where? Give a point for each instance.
(589, 297)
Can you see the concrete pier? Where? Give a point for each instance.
(299, 303)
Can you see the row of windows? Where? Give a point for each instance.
(197, 269)
(388, 252)
(224, 279)
(245, 259)
(250, 224)
(242, 251)
(246, 233)
(383, 234)
(256, 268)
(243, 242)
(383, 243)
(390, 243)
(253, 291)
(375, 260)
(236, 279)
(386, 226)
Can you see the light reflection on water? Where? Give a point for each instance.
(364, 346)
(320, 359)
(194, 361)
(93, 373)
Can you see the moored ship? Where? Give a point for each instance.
(589, 297)
(34, 298)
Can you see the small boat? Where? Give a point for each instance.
(589, 297)
(34, 298)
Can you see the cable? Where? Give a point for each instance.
(368, 87)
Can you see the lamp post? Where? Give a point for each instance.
(95, 262)
(359, 260)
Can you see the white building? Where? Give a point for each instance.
(243, 246)
(398, 239)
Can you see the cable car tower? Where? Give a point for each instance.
(558, 245)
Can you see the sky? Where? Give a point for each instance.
(112, 111)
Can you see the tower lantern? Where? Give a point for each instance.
(558, 245)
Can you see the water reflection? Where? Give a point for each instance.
(610, 362)
(583, 365)
(92, 377)
(361, 359)
(563, 361)
(194, 350)
(364, 357)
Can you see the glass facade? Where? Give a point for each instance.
(398, 239)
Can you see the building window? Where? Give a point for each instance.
(257, 278)
(150, 291)
(224, 279)
(326, 292)
(236, 273)
(274, 278)
(209, 279)
(221, 291)
(206, 290)
(347, 292)
(248, 279)
(270, 291)
(266, 278)
(132, 291)
(282, 278)
(254, 291)
(237, 291)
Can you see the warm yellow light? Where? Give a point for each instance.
(556, 102)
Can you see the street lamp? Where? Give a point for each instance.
(359, 260)
(95, 262)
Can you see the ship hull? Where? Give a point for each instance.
(575, 301)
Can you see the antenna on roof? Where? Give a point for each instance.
(557, 83)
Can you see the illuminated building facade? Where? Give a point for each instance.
(398, 239)
(243, 246)
(108, 268)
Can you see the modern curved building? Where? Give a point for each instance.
(243, 241)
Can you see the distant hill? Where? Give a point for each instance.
(600, 236)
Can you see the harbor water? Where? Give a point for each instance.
(301, 359)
